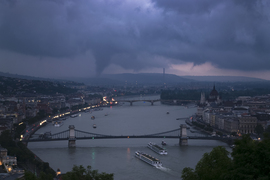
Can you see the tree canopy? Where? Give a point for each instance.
(213, 165)
(80, 173)
(249, 160)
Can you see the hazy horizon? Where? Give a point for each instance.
(130, 75)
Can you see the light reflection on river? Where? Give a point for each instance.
(117, 155)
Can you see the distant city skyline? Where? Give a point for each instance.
(69, 38)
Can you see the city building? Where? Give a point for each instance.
(247, 124)
(214, 96)
(231, 124)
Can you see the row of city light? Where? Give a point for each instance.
(60, 115)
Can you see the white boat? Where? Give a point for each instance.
(163, 143)
(58, 124)
(94, 126)
(148, 159)
(156, 148)
(74, 115)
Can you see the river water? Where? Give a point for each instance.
(117, 155)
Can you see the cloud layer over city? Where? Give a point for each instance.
(227, 36)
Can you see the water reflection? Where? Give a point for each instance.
(93, 155)
(128, 154)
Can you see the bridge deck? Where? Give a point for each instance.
(80, 135)
(128, 137)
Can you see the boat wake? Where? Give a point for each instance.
(169, 171)
(163, 168)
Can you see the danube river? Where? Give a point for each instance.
(117, 155)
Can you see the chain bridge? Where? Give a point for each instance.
(152, 101)
(71, 135)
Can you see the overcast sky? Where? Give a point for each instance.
(82, 38)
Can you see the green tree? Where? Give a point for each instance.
(189, 174)
(29, 176)
(259, 129)
(214, 165)
(80, 173)
(251, 159)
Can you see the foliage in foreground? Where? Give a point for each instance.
(80, 173)
(43, 176)
(250, 161)
(25, 157)
(77, 173)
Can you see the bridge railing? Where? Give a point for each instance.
(63, 134)
(175, 133)
(164, 133)
(79, 133)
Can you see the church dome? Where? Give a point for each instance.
(214, 92)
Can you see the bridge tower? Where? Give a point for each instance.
(72, 138)
(183, 139)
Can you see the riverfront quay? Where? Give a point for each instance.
(117, 155)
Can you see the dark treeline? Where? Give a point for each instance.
(15, 86)
(249, 160)
(25, 158)
(228, 95)
(225, 94)
(180, 95)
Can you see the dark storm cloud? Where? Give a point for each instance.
(228, 33)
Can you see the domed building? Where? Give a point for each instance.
(214, 96)
(213, 100)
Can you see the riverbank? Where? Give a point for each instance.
(204, 128)
(34, 163)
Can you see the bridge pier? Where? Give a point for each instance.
(130, 103)
(152, 103)
(72, 138)
(183, 139)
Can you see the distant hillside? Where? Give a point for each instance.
(224, 78)
(132, 79)
(62, 81)
(96, 81)
(18, 86)
(143, 78)
(140, 78)
(25, 77)
(158, 78)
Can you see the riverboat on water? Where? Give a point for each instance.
(94, 126)
(148, 159)
(58, 124)
(163, 143)
(74, 115)
(156, 148)
(93, 117)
